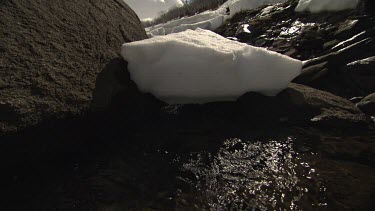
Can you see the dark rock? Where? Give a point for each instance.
(326, 108)
(367, 105)
(312, 73)
(292, 53)
(307, 32)
(346, 29)
(330, 44)
(296, 105)
(327, 41)
(281, 45)
(328, 72)
(367, 7)
(355, 99)
(312, 43)
(362, 74)
(52, 52)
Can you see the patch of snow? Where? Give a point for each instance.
(236, 6)
(316, 6)
(150, 9)
(210, 24)
(232, 38)
(156, 32)
(245, 28)
(201, 66)
(202, 20)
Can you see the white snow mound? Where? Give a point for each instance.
(200, 66)
(316, 6)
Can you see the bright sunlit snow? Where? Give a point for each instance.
(316, 6)
(200, 66)
(207, 20)
(210, 20)
(150, 9)
(236, 6)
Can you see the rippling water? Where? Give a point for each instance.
(245, 175)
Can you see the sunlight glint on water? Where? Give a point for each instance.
(245, 175)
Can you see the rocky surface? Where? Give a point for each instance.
(330, 43)
(52, 53)
(296, 105)
(367, 104)
(311, 147)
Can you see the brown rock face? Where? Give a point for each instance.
(52, 52)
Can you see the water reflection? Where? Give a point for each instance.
(249, 176)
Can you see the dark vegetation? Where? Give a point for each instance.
(188, 9)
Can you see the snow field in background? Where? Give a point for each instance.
(316, 6)
(210, 20)
(150, 9)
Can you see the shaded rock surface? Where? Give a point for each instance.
(52, 53)
(296, 105)
(362, 75)
(367, 104)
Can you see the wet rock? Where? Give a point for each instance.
(328, 72)
(367, 105)
(52, 53)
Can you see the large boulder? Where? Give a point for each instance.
(325, 108)
(318, 108)
(52, 52)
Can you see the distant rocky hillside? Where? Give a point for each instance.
(52, 52)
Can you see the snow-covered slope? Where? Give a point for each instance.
(236, 6)
(150, 9)
(200, 66)
(316, 6)
(206, 20)
(210, 20)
